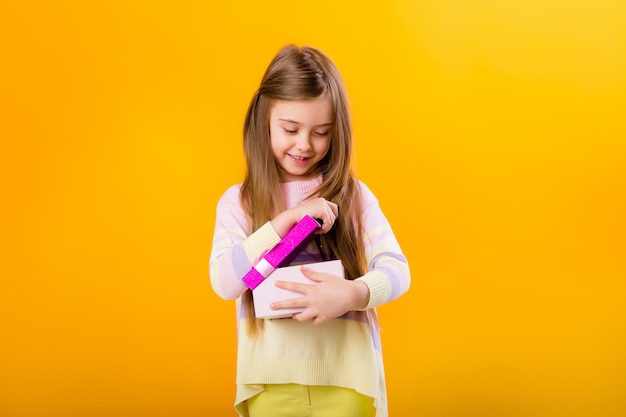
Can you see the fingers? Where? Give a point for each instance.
(306, 314)
(290, 303)
(304, 303)
(310, 315)
(328, 212)
(293, 286)
(333, 214)
(311, 274)
(320, 301)
(299, 302)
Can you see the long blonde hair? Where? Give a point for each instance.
(296, 74)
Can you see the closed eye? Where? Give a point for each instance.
(322, 133)
(290, 131)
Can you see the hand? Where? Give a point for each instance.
(332, 297)
(318, 208)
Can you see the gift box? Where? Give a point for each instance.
(274, 267)
(267, 292)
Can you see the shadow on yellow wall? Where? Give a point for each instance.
(493, 134)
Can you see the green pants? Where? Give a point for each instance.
(292, 400)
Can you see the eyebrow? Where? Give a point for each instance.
(293, 121)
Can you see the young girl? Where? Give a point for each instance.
(325, 360)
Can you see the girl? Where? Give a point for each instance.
(325, 360)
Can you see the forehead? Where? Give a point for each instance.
(314, 112)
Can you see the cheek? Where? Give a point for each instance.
(277, 145)
(275, 142)
(325, 147)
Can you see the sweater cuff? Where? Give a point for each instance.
(260, 242)
(380, 290)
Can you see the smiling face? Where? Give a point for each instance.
(300, 134)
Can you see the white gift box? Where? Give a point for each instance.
(267, 292)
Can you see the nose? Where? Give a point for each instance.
(303, 142)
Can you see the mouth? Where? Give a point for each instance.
(299, 157)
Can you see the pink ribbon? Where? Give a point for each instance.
(294, 240)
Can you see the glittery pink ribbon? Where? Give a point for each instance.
(290, 245)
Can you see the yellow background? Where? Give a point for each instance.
(493, 133)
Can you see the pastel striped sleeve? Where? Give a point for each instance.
(388, 275)
(233, 251)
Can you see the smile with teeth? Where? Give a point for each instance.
(298, 157)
